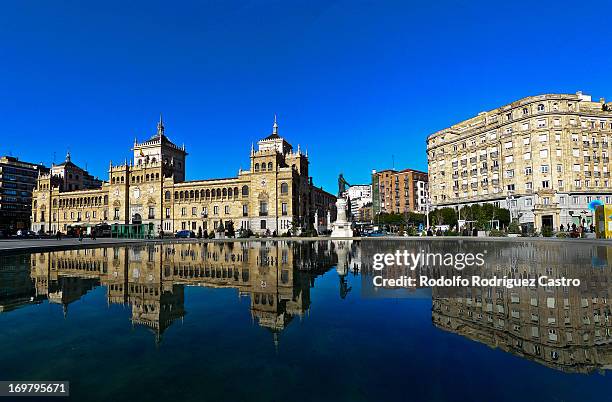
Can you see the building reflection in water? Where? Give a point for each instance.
(276, 276)
(565, 328)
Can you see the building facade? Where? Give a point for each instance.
(399, 191)
(275, 194)
(359, 195)
(545, 158)
(17, 180)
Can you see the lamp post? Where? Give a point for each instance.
(427, 206)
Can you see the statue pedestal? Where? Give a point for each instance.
(341, 227)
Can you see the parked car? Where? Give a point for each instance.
(184, 234)
(377, 233)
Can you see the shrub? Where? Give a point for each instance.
(496, 233)
(514, 228)
(547, 231)
(562, 235)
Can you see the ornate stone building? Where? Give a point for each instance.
(274, 194)
(545, 158)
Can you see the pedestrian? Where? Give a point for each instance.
(58, 235)
(562, 228)
(80, 235)
(93, 235)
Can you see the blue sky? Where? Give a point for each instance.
(358, 83)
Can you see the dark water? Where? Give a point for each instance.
(282, 321)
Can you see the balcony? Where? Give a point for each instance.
(263, 213)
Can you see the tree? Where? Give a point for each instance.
(443, 216)
(229, 229)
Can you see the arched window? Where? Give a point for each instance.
(269, 165)
(153, 160)
(235, 191)
(525, 110)
(156, 176)
(191, 195)
(263, 167)
(224, 192)
(218, 193)
(202, 194)
(555, 107)
(207, 193)
(176, 195)
(35, 204)
(257, 167)
(229, 192)
(106, 200)
(541, 107)
(167, 195)
(284, 188)
(245, 191)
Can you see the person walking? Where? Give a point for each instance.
(80, 235)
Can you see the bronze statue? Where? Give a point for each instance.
(342, 185)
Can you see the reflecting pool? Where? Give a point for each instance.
(301, 321)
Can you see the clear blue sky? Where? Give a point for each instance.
(355, 82)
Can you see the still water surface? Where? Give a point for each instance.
(277, 321)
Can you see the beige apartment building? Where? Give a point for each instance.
(276, 193)
(544, 157)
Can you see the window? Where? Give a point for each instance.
(194, 211)
(528, 170)
(167, 195)
(216, 210)
(526, 141)
(262, 224)
(543, 153)
(544, 168)
(245, 191)
(245, 210)
(545, 184)
(541, 124)
(511, 187)
(227, 210)
(528, 185)
(151, 213)
(284, 188)
(115, 217)
(541, 107)
(284, 208)
(263, 208)
(509, 159)
(167, 213)
(528, 202)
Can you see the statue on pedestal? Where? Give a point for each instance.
(341, 227)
